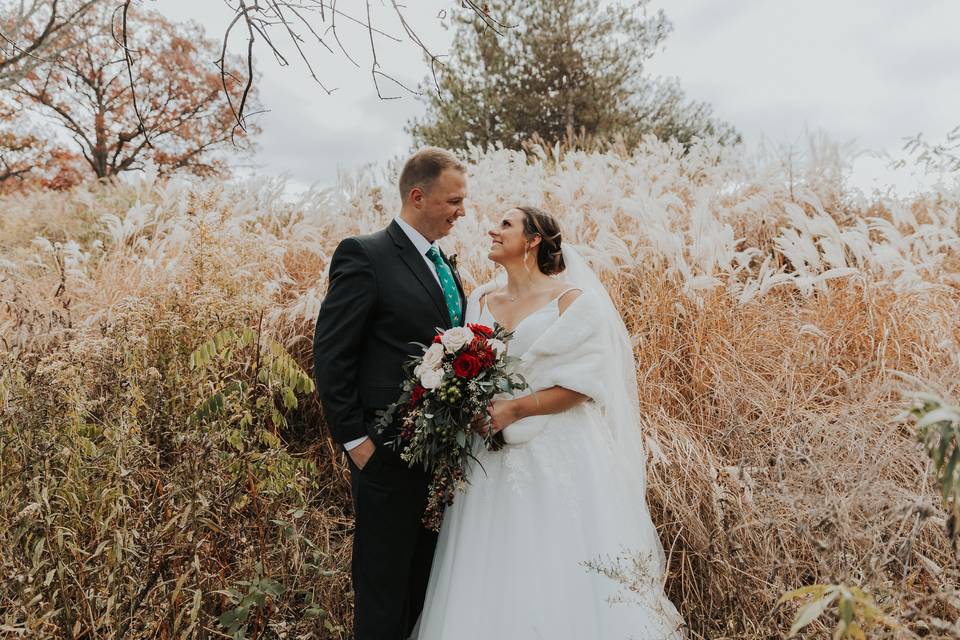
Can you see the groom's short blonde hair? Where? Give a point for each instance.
(425, 166)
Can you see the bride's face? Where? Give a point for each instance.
(507, 240)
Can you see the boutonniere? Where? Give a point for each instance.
(452, 259)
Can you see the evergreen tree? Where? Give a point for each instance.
(561, 68)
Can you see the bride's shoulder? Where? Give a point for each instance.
(565, 293)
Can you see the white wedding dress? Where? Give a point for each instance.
(529, 550)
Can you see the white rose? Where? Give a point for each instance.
(432, 357)
(498, 347)
(454, 339)
(431, 378)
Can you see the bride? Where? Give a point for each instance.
(552, 539)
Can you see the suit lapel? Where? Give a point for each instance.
(415, 262)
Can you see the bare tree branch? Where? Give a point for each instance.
(128, 58)
(273, 22)
(247, 87)
(333, 29)
(263, 17)
(223, 71)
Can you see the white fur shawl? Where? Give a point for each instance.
(572, 353)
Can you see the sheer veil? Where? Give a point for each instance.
(622, 409)
(623, 405)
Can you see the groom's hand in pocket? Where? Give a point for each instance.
(361, 453)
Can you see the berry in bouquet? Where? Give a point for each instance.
(445, 395)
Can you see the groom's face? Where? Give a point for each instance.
(441, 205)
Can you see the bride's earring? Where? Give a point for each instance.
(525, 265)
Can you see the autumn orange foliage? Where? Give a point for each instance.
(167, 108)
(29, 161)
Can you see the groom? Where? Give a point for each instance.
(387, 290)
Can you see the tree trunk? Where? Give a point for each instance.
(99, 152)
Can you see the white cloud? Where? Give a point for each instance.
(875, 72)
(871, 72)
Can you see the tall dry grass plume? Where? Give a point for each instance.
(164, 471)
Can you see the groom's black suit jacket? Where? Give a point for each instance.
(381, 298)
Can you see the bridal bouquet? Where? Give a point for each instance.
(447, 390)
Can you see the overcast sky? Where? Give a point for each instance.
(868, 73)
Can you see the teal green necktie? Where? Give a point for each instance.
(450, 292)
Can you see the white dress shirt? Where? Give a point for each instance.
(423, 245)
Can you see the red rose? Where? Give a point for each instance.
(417, 394)
(436, 339)
(482, 351)
(480, 330)
(487, 358)
(466, 366)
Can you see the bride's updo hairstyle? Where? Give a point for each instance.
(537, 222)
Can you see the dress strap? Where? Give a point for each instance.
(556, 300)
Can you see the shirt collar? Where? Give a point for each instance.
(422, 244)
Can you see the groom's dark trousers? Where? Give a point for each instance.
(382, 297)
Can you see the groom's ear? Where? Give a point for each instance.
(415, 197)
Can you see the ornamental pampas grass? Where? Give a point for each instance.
(774, 311)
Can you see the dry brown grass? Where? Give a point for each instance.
(782, 463)
(770, 392)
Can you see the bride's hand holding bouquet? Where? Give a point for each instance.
(445, 399)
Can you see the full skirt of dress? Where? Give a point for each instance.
(546, 544)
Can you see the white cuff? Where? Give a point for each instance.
(353, 444)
